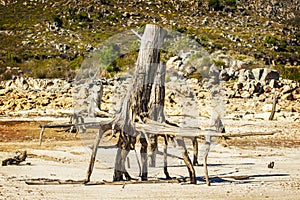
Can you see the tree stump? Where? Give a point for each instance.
(136, 103)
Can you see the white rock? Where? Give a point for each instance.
(267, 108)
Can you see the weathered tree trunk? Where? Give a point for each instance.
(216, 99)
(93, 156)
(144, 157)
(275, 100)
(165, 157)
(156, 111)
(187, 161)
(136, 103)
(195, 154)
(157, 98)
(207, 145)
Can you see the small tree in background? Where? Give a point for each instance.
(108, 57)
(214, 4)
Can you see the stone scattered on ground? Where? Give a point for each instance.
(248, 94)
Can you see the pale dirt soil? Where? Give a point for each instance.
(63, 157)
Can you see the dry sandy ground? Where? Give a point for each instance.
(66, 158)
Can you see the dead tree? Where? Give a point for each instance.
(156, 113)
(136, 103)
(136, 109)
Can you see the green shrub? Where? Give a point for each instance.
(109, 54)
(112, 18)
(2, 69)
(180, 29)
(108, 58)
(202, 40)
(47, 68)
(291, 73)
(240, 57)
(7, 76)
(83, 17)
(283, 44)
(270, 39)
(197, 75)
(127, 61)
(214, 4)
(290, 49)
(231, 3)
(12, 58)
(76, 63)
(110, 69)
(39, 73)
(56, 19)
(219, 63)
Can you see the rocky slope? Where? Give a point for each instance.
(51, 38)
(249, 94)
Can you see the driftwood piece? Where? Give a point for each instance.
(43, 181)
(135, 182)
(237, 177)
(275, 100)
(153, 127)
(16, 160)
(156, 128)
(105, 123)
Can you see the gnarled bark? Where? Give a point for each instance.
(136, 103)
(156, 111)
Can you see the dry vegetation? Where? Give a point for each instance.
(56, 36)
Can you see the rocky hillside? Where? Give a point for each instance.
(48, 39)
(249, 95)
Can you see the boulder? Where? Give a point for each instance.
(245, 94)
(287, 96)
(238, 86)
(227, 74)
(286, 89)
(265, 74)
(245, 75)
(173, 62)
(231, 94)
(263, 116)
(273, 83)
(258, 88)
(268, 107)
(296, 93)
